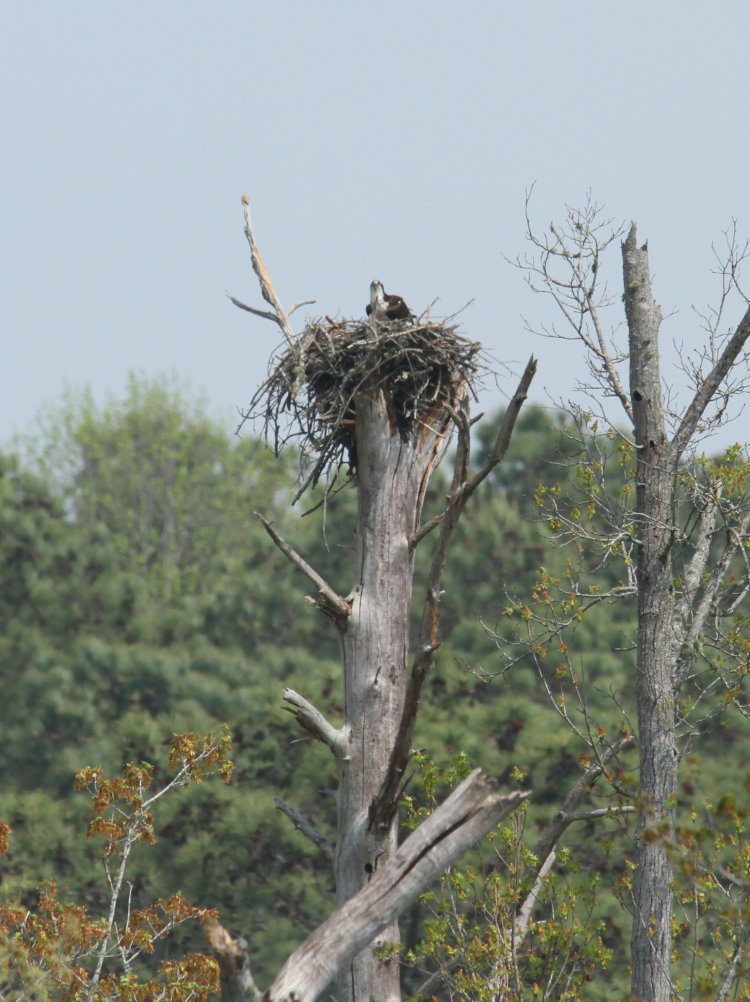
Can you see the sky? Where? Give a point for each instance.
(394, 140)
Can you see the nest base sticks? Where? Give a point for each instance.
(310, 391)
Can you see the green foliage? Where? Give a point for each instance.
(140, 597)
(558, 623)
(164, 479)
(106, 647)
(497, 930)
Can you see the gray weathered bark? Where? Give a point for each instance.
(655, 505)
(371, 747)
(392, 475)
(470, 812)
(665, 623)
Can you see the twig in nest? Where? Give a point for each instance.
(310, 392)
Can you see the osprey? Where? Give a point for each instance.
(383, 306)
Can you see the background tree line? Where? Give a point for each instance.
(140, 598)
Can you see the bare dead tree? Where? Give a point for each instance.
(677, 538)
(386, 397)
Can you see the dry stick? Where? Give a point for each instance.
(266, 314)
(338, 606)
(304, 825)
(468, 814)
(266, 285)
(384, 806)
(302, 302)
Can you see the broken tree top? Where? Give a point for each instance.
(420, 367)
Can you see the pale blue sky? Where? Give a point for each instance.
(392, 140)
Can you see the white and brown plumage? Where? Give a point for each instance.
(383, 306)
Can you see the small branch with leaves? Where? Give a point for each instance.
(61, 949)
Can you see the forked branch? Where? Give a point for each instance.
(279, 315)
(568, 812)
(470, 812)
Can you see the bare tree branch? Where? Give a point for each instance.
(600, 349)
(686, 642)
(279, 315)
(266, 314)
(710, 385)
(303, 824)
(566, 815)
(302, 302)
(329, 601)
(701, 552)
(315, 723)
(567, 268)
(523, 916)
(466, 816)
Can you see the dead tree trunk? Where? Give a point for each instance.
(656, 475)
(397, 441)
(667, 623)
(392, 474)
(395, 456)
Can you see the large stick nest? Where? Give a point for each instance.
(311, 388)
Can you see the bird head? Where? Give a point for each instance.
(377, 294)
